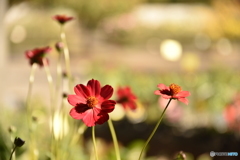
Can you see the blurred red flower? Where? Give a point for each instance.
(91, 103)
(62, 19)
(232, 114)
(172, 92)
(126, 98)
(36, 55)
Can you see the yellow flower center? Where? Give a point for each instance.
(92, 101)
(175, 89)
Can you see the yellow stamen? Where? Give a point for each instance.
(92, 101)
(175, 89)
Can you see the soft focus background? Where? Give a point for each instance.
(139, 43)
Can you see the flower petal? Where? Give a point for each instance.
(81, 91)
(132, 105)
(161, 93)
(102, 118)
(184, 100)
(157, 92)
(76, 115)
(89, 118)
(106, 92)
(183, 94)
(74, 100)
(108, 106)
(162, 86)
(94, 87)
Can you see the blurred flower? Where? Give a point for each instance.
(36, 55)
(172, 92)
(91, 103)
(232, 114)
(18, 142)
(62, 19)
(126, 98)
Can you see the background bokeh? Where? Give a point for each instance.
(139, 43)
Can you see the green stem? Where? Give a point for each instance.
(154, 130)
(94, 142)
(115, 141)
(29, 110)
(51, 88)
(52, 103)
(12, 152)
(29, 93)
(59, 75)
(66, 56)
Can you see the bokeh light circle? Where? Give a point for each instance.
(171, 50)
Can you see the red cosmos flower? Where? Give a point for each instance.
(172, 92)
(62, 19)
(126, 98)
(91, 103)
(36, 55)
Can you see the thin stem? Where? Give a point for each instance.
(52, 104)
(29, 110)
(29, 93)
(115, 141)
(94, 142)
(59, 75)
(154, 130)
(51, 88)
(66, 56)
(12, 152)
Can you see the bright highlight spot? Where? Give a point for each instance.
(118, 113)
(190, 62)
(60, 125)
(138, 115)
(171, 50)
(18, 34)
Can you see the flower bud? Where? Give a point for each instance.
(64, 95)
(18, 142)
(59, 46)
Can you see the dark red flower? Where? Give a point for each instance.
(62, 19)
(126, 98)
(91, 103)
(36, 55)
(172, 92)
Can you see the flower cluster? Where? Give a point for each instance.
(91, 103)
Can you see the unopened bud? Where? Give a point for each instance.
(19, 142)
(59, 46)
(64, 95)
